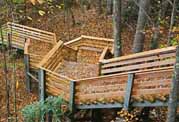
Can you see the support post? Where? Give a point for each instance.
(27, 70)
(173, 98)
(96, 115)
(128, 91)
(9, 41)
(72, 100)
(41, 77)
(100, 68)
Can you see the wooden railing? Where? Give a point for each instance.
(57, 85)
(143, 79)
(20, 33)
(150, 60)
(55, 56)
(89, 41)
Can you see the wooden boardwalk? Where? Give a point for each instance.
(84, 73)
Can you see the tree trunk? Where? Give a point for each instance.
(173, 98)
(138, 44)
(109, 6)
(117, 27)
(161, 15)
(99, 6)
(172, 21)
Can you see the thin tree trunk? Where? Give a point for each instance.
(138, 44)
(171, 23)
(99, 7)
(117, 27)
(161, 15)
(109, 7)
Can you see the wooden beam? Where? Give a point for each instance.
(73, 41)
(33, 77)
(138, 67)
(103, 54)
(118, 105)
(99, 106)
(155, 70)
(29, 28)
(173, 98)
(128, 91)
(97, 38)
(142, 54)
(140, 60)
(50, 53)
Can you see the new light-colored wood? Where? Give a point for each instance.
(47, 57)
(102, 57)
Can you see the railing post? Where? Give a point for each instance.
(100, 68)
(173, 98)
(72, 100)
(41, 77)
(128, 91)
(9, 40)
(27, 70)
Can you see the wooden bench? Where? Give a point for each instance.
(142, 79)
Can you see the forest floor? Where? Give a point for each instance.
(87, 23)
(22, 96)
(91, 24)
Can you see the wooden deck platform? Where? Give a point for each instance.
(84, 73)
(68, 61)
(78, 70)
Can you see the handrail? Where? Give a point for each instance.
(56, 74)
(20, 31)
(138, 55)
(126, 73)
(50, 53)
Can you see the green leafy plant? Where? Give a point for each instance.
(38, 110)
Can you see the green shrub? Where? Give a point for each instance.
(38, 110)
